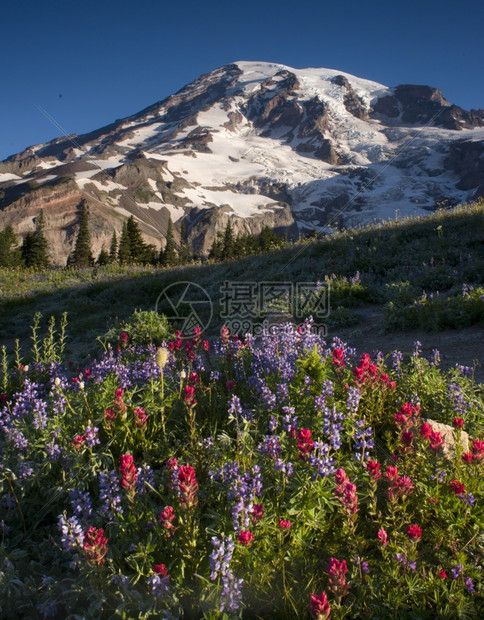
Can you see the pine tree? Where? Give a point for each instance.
(228, 250)
(124, 251)
(169, 257)
(34, 247)
(217, 247)
(113, 251)
(268, 240)
(103, 258)
(139, 251)
(81, 256)
(10, 252)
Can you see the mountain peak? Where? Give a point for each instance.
(260, 143)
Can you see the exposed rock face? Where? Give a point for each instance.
(424, 104)
(352, 102)
(466, 159)
(259, 143)
(449, 435)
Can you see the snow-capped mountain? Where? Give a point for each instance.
(261, 143)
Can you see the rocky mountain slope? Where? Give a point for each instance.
(261, 143)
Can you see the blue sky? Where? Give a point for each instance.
(88, 63)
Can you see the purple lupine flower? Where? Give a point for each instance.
(240, 516)
(290, 422)
(363, 441)
(220, 567)
(25, 470)
(215, 376)
(332, 427)
(468, 499)
(328, 388)
(321, 461)
(282, 391)
(455, 572)
(268, 398)
(465, 371)
(207, 442)
(353, 400)
(18, 438)
(109, 494)
(48, 609)
(469, 585)
(120, 580)
(273, 424)
(435, 361)
(39, 414)
(159, 586)
(221, 556)
(397, 359)
(363, 564)
(53, 451)
(90, 435)
(439, 474)
(270, 445)
(81, 504)
(72, 533)
(457, 400)
(145, 476)
(231, 592)
(286, 468)
(417, 348)
(235, 410)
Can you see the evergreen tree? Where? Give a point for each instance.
(34, 247)
(268, 240)
(228, 250)
(81, 256)
(217, 247)
(169, 257)
(113, 251)
(103, 258)
(124, 251)
(138, 249)
(10, 252)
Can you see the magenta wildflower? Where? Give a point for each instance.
(319, 606)
(245, 537)
(337, 581)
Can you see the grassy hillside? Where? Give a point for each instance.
(285, 477)
(422, 273)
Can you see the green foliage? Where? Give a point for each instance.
(144, 327)
(103, 258)
(437, 312)
(168, 256)
(34, 247)
(81, 257)
(50, 348)
(228, 247)
(136, 424)
(10, 252)
(113, 250)
(124, 249)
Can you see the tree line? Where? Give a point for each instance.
(130, 248)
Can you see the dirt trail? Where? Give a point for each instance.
(463, 346)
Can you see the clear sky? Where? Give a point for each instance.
(89, 62)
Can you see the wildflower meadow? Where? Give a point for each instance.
(284, 477)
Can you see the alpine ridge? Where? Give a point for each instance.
(260, 143)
